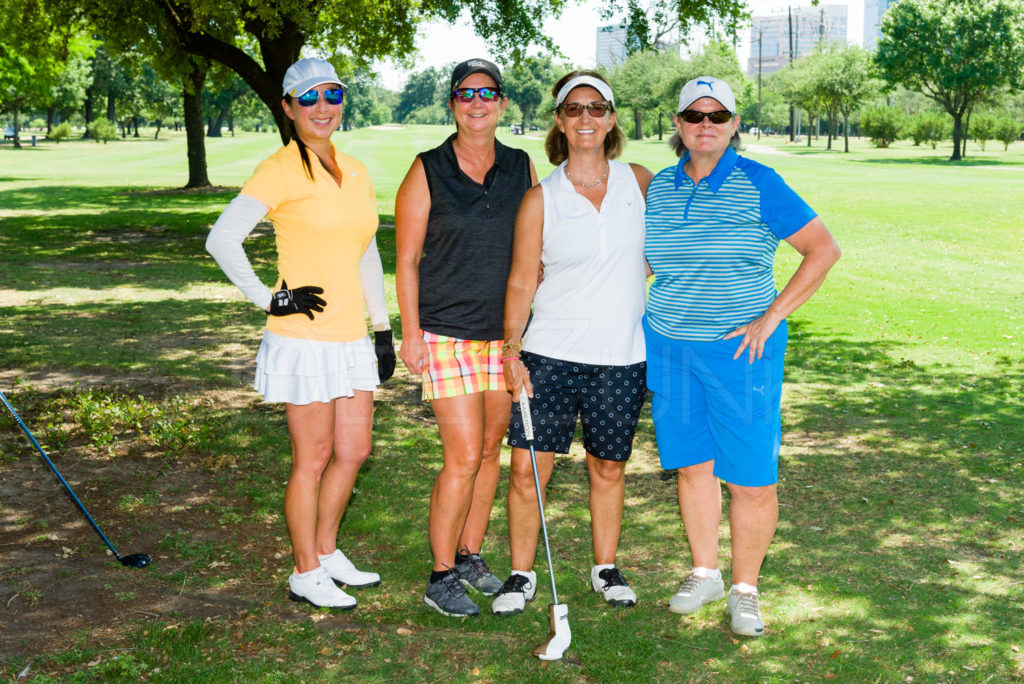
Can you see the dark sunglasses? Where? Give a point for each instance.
(692, 116)
(486, 94)
(332, 96)
(596, 109)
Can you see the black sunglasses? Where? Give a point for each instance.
(596, 109)
(692, 116)
(332, 96)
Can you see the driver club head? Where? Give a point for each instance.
(136, 560)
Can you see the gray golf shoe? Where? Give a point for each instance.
(448, 597)
(695, 592)
(474, 574)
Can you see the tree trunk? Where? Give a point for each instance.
(89, 99)
(17, 134)
(231, 124)
(966, 133)
(135, 126)
(638, 124)
(957, 136)
(192, 95)
(51, 115)
(660, 116)
(159, 123)
(111, 108)
(216, 124)
(846, 133)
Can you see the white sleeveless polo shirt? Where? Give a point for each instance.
(589, 306)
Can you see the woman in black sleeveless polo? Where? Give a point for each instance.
(454, 219)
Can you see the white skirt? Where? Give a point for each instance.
(300, 371)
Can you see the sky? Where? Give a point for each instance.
(575, 34)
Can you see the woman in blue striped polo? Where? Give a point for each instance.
(716, 337)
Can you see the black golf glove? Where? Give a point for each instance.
(302, 300)
(384, 346)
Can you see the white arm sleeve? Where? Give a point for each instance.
(224, 242)
(371, 274)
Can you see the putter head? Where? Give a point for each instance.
(136, 560)
(559, 634)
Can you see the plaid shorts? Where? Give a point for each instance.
(458, 367)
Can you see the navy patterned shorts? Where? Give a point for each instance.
(607, 399)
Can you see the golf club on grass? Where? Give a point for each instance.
(135, 560)
(559, 634)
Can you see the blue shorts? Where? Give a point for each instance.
(709, 407)
(607, 399)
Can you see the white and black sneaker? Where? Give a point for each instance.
(610, 583)
(519, 588)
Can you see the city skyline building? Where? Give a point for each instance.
(873, 12)
(811, 26)
(611, 46)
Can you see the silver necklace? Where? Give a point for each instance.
(580, 183)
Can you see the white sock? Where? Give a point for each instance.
(743, 588)
(604, 566)
(528, 574)
(296, 572)
(705, 573)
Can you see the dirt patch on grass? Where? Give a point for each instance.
(59, 585)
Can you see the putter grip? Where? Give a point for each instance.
(524, 409)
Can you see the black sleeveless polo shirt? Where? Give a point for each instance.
(467, 251)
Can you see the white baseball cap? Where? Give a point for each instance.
(307, 74)
(707, 86)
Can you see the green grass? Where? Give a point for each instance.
(899, 548)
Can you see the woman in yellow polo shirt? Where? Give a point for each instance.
(315, 356)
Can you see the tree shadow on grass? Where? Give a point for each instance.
(146, 240)
(900, 504)
(945, 161)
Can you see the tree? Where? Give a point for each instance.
(955, 52)
(366, 102)
(527, 83)
(641, 82)
(651, 24)
(881, 124)
(983, 129)
(423, 89)
(33, 52)
(927, 127)
(844, 83)
(1007, 130)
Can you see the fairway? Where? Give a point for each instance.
(129, 354)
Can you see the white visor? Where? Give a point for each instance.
(595, 83)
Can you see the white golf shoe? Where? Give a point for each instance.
(317, 587)
(342, 571)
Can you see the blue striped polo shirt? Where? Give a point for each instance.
(712, 245)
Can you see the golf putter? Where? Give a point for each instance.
(559, 634)
(134, 560)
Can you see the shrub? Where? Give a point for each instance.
(60, 131)
(881, 124)
(982, 129)
(928, 127)
(102, 130)
(1007, 130)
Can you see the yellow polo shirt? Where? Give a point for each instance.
(322, 231)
